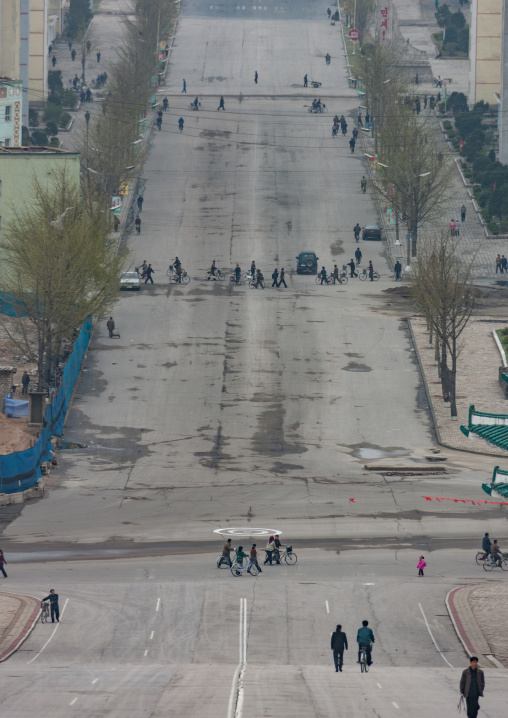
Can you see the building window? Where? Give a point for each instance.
(8, 113)
(7, 142)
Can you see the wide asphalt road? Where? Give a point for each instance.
(222, 406)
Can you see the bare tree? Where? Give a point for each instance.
(364, 11)
(59, 268)
(441, 283)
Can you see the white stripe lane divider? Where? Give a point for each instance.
(327, 607)
(50, 638)
(433, 639)
(235, 706)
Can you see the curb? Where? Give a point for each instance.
(487, 659)
(23, 635)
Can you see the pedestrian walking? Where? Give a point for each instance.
(421, 565)
(328, 12)
(398, 269)
(221, 104)
(371, 271)
(282, 279)
(70, 45)
(452, 228)
(184, 88)
(88, 45)
(256, 77)
(352, 269)
(99, 56)
(472, 685)
(88, 95)
(425, 102)
(367, 118)
(358, 256)
(499, 268)
(2, 563)
(323, 276)
(148, 273)
(352, 145)
(357, 229)
(111, 328)
(140, 201)
(337, 644)
(463, 213)
(137, 222)
(53, 603)
(504, 263)
(355, 133)
(159, 123)
(305, 81)
(73, 55)
(253, 559)
(25, 382)
(165, 104)
(275, 277)
(53, 60)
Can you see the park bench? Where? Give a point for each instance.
(491, 427)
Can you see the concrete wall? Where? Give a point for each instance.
(503, 117)
(17, 172)
(485, 50)
(38, 71)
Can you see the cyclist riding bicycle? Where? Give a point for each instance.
(497, 555)
(365, 639)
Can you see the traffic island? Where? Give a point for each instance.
(18, 616)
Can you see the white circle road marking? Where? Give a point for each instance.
(247, 531)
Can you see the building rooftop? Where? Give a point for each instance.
(35, 150)
(7, 80)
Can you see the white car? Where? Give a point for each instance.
(130, 280)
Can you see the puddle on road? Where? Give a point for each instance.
(368, 451)
(355, 366)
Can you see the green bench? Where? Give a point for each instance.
(499, 483)
(491, 427)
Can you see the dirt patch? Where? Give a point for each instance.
(16, 435)
(336, 248)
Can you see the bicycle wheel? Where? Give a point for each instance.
(366, 667)
(185, 279)
(318, 280)
(220, 276)
(504, 564)
(261, 285)
(226, 563)
(362, 277)
(375, 276)
(234, 570)
(254, 570)
(343, 279)
(488, 565)
(480, 557)
(291, 558)
(252, 285)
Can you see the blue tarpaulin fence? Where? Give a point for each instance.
(21, 470)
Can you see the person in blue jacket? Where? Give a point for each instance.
(365, 637)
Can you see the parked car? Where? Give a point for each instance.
(307, 263)
(372, 231)
(130, 280)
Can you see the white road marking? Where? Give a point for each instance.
(327, 607)
(94, 681)
(369, 584)
(494, 660)
(146, 652)
(158, 604)
(73, 701)
(394, 704)
(49, 639)
(379, 685)
(235, 705)
(152, 635)
(433, 639)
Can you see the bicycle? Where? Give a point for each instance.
(289, 556)
(44, 612)
(364, 665)
(328, 280)
(364, 274)
(170, 270)
(234, 280)
(481, 556)
(255, 284)
(238, 570)
(192, 106)
(218, 275)
(491, 563)
(182, 278)
(224, 562)
(341, 279)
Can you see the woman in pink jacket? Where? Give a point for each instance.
(421, 565)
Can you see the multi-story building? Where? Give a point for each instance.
(503, 94)
(10, 112)
(18, 167)
(485, 50)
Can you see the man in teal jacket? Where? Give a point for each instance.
(365, 637)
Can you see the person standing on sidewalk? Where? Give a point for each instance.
(53, 602)
(472, 685)
(421, 565)
(2, 563)
(282, 279)
(337, 644)
(498, 264)
(110, 324)
(25, 382)
(463, 213)
(398, 269)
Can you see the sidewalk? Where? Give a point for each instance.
(477, 382)
(481, 621)
(18, 617)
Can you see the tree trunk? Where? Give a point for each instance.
(453, 378)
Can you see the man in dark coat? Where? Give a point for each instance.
(472, 685)
(486, 545)
(53, 603)
(338, 643)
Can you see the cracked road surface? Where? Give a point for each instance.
(224, 406)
